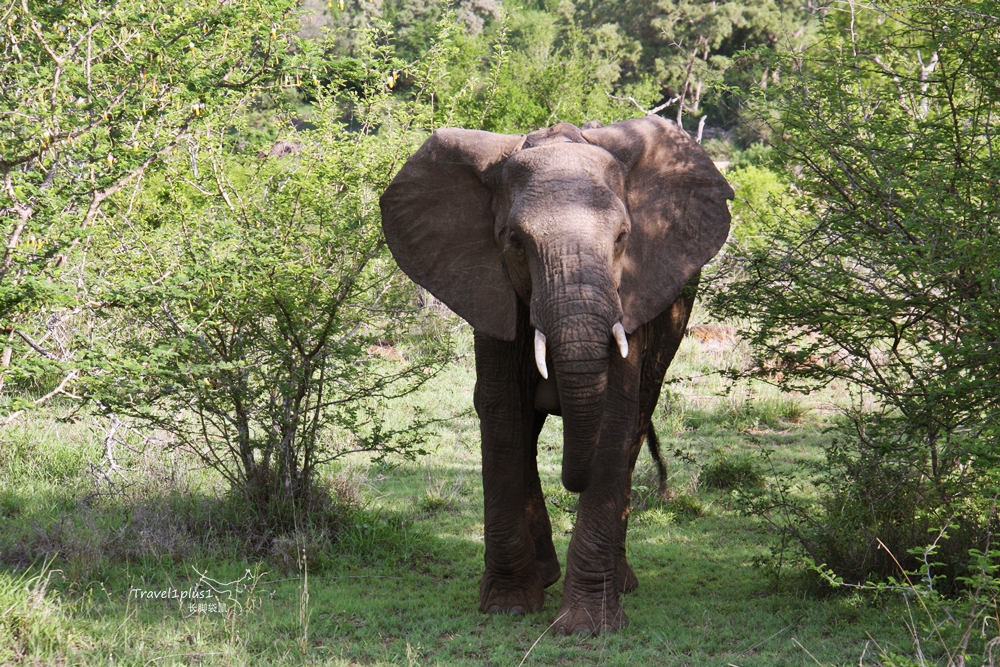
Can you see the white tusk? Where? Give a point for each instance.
(619, 333)
(540, 354)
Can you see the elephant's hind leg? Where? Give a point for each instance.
(627, 581)
(663, 337)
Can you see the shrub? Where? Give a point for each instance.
(880, 510)
(732, 470)
(883, 274)
(248, 337)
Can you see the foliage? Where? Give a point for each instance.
(690, 46)
(561, 72)
(883, 275)
(519, 68)
(506, 69)
(523, 67)
(95, 95)
(535, 70)
(415, 23)
(763, 189)
(250, 291)
(732, 470)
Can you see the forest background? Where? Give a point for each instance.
(209, 356)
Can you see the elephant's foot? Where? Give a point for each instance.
(573, 620)
(627, 581)
(518, 598)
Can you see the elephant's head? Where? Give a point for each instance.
(596, 231)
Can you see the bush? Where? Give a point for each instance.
(248, 338)
(880, 510)
(883, 275)
(732, 470)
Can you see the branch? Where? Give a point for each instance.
(23, 214)
(35, 346)
(651, 112)
(99, 197)
(38, 401)
(41, 38)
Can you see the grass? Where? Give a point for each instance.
(397, 581)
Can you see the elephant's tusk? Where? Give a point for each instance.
(540, 354)
(619, 333)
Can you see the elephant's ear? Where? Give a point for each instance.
(676, 200)
(438, 222)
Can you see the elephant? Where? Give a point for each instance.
(574, 254)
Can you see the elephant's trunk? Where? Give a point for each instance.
(582, 378)
(577, 343)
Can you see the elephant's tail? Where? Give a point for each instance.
(654, 451)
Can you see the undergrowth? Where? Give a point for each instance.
(385, 567)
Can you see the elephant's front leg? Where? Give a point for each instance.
(513, 581)
(593, 584)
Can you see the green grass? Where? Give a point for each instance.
(398, 581)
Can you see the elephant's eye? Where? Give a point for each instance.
(620, 241)
(515, 244)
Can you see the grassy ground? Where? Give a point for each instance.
(400, 584)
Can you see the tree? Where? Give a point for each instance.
(248, 289)
(537, 70)
(414, 23)
(689, 46)
(94, 96)
(166, 263)
(884, 272)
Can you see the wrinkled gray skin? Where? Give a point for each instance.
(567, 232)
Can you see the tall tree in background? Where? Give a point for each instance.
(689, 46)
(414, 22)
(544, 69)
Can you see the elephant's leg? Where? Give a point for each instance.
(511, 582)
(662, 336)
(538, 515)
(592, 590)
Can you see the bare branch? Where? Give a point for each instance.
(652, 112)
(61, 389)
(35, 346)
